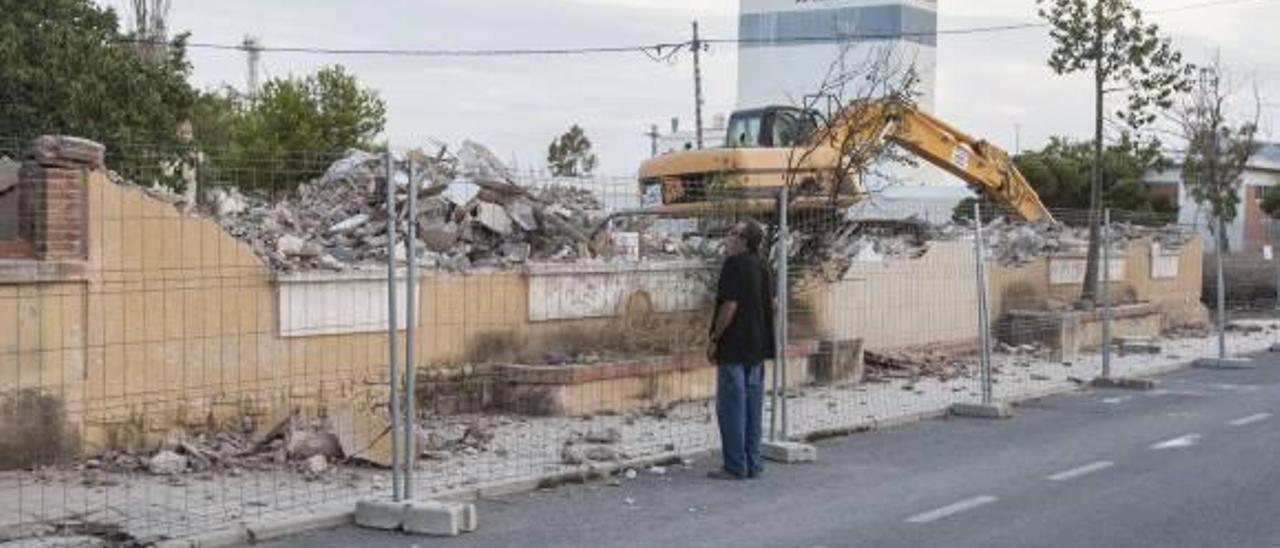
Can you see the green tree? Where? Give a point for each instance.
(293, 130)
(1060, 175)
(1110, 40)
(65, 67)
(570, 154)
(1271, 202)
(1218, 147)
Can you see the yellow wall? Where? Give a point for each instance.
(174, 322)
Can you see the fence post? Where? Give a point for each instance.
(1275, 256)
(783, 308)
(781, 312)
(983, 321)
(1222, 292)
(1106, 293)
(410, 324)
(392, 327)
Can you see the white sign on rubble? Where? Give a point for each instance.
(1164, 264)
(572, 291)
(1070, 270)
(626, 245)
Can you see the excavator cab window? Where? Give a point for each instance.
(790, 128)
(744, 129)
(770, 127)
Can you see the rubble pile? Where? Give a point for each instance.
(471, 213)
(914, 364)
(1019, 243)
(835, 246)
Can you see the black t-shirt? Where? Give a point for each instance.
(749, 337)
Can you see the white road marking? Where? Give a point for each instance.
(1178, 442)
(1080, 471)
(1251, 419)
(1117, 399)
(952, 509)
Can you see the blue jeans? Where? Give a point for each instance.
(739, 405)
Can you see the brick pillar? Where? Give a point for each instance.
(52, 199)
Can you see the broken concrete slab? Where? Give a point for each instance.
(167, 463)
(494, 217)
(351, 223)
(440, 237)
(363, 433)
(293, 246)
(522, 213)
(788, 452)
(461, 192)
(995, 410)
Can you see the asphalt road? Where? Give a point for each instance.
(1190, 464)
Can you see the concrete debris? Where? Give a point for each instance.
(316, 465)
(914, 364)
(227, 201)
(167, 463)
(572, 454)
(608, 435)
(472, 214)
(858, 239)
(1019, 243)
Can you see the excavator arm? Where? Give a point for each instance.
(986, 168)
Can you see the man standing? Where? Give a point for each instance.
(741, 339)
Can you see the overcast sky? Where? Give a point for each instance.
(986, 83)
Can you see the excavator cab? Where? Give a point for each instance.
(771, 127)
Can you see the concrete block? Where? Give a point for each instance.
(436, 518)
(1228, 363)
(1126, 383)
(788, 451)
(380, 514)
(981, 411)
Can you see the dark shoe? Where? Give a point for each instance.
(724, 475)
(755, 473)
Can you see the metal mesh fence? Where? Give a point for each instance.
(197, 337)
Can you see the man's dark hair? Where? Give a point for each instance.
(752, 235)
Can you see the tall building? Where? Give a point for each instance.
(787, 47)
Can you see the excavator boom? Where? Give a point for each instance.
(682, 179)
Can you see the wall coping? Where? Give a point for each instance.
(27, 271)
(584, 373)
(1121, 311)
(554, 269)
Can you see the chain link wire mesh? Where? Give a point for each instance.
(213, 346)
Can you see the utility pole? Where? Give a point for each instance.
(253, 49)
(697, 82)
(653, 140)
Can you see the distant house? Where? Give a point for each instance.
(1252, 228)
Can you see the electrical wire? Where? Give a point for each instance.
(657, 52)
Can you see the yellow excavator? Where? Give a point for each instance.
(770, 147)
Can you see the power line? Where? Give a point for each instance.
(659, 51)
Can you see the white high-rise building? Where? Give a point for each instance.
(787, 50)
(788, 47)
